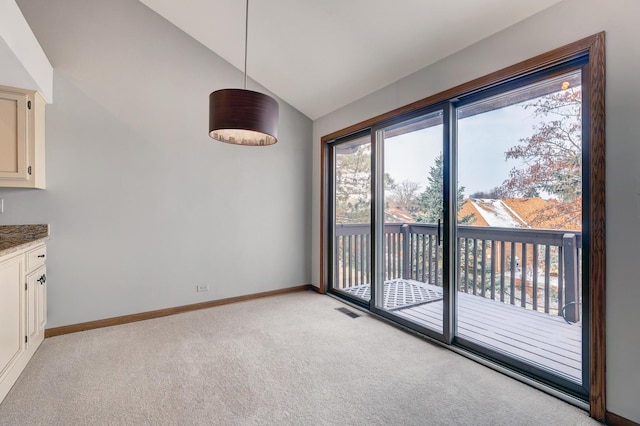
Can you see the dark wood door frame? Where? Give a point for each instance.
(594, 46)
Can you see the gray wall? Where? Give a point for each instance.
(566, 22)
(143, 205)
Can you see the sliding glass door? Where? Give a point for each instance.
(519, 226)
(463, 221)
(351, 218)
(409, 242)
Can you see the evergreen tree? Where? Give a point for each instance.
(430, 202)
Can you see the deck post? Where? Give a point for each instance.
(570, 251)
(406, 253)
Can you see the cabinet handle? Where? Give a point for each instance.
(41, 255)
(42, 279)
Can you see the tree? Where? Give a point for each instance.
(430, 202)
(552, 155)
(404, 195)
(493, 194)
(353, 185)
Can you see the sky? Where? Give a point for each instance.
(483, 140)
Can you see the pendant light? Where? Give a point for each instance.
(241, 116)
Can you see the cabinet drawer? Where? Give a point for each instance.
(36, 257)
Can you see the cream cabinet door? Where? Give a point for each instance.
(13, 136)
(23, 312)
(12, 316)
(36, 306)
(22, 134)
(42, 301)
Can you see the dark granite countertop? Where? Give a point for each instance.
(18, 237)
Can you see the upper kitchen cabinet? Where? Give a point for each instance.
(24, 65)
(22, 122)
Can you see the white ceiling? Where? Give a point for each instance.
(319, 55)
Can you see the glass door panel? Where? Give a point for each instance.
(519, 234)
(410, 264)
(351, 263)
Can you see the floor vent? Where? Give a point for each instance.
(347, 312)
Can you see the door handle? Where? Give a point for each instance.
(439, 240)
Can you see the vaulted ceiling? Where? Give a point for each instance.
(319, 55)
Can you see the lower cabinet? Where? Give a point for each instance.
(12, 320)
(36, 306)
(23, 311)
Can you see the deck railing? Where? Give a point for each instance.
(536, 269)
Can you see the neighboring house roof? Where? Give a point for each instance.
(396, 215)
(540, 213)
(468, 209)
(532, 212)
(497, 213)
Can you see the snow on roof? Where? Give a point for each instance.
(497, 213)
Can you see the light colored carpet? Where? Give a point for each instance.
(285, 360)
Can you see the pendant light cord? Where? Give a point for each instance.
(246, 38)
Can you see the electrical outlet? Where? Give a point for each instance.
(202, 287)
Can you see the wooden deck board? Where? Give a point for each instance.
(537, 338)
(562, 336)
